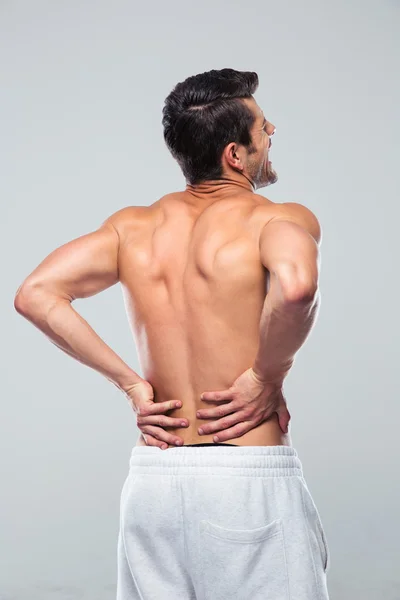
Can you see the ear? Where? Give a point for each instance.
(233, 157)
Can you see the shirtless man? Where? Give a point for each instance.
(221, 289)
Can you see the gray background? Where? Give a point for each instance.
(82, 87)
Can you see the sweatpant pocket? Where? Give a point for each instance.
(248, 564)
(316, 523)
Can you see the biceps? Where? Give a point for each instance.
(81, 268)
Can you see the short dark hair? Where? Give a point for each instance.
(202, 115)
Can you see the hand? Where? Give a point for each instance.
(251, 402)
(151, 419)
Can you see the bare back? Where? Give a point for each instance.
(194, 288)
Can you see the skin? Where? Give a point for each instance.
(194, 287)
(205, 250)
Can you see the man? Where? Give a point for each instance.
(221, 288)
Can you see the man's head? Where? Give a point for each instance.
(214, 128)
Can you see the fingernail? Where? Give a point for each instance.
(183, 423)
(201, 431)
(216, 438)
(178, 443)
(201, 396)
(198, 414)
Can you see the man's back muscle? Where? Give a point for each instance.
(194, 287)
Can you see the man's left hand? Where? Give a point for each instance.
(248, 403)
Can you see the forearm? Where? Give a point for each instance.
(284, 326)
(65, 328)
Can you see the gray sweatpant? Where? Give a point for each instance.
(219, 523)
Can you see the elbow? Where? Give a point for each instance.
(34, 301)
(30, 299)
(23, 300)
(299, 285)
(18, 304)
(302, 294)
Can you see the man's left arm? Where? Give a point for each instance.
(79, 269)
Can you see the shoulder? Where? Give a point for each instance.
(295, 213)
(132, 219)
(127, 215)
(303, 216)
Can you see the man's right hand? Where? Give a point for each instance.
(152, 420)
(251, 402)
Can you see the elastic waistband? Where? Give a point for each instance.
(263, 461)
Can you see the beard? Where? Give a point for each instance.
(261, 173)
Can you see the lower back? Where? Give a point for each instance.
(267, 433)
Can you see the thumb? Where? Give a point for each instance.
(140, 395)
(284, 418)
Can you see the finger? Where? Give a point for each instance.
(235, 432)
(162, 421)
(221, 423)
(158, 408)
(218, 411)
(150, 441)
(217, 396)
(162, 435)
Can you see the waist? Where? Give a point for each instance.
(267, 433)
(268, 461)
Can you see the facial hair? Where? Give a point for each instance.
(261, 172)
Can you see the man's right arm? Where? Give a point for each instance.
(289, 249)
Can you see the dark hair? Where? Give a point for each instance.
(202, 115)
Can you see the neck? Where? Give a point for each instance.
(224, 185)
